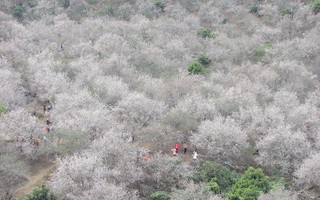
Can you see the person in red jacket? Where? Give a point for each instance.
(177, 147)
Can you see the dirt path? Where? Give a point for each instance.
(34, 179)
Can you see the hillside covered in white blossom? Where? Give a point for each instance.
(160, 99)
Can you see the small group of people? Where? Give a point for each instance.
(176, 150)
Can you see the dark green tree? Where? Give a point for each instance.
(249, 186)
(40, 193)
(213, 186)
(207, 33)
(216, 173)
(315, 6)
(254, 9)
(18, 10)
(196, 68)
(160, 5)
(204, 60)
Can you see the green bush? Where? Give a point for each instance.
(214, 172)
(160, 195)
(18, 10)
(251, 193)
(214, 186)
(3, 109)
(249, 186)
(254, 9)
(160, 5)
(207, 33)
(41, 193)
(315, 6)
(286, 11)
(204, 60)
(196, 68)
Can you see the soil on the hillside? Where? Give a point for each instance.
(39, 174)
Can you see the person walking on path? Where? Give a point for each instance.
(185, 146)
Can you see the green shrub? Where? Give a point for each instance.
(207, 33)
(18, 10)
(286, 11)
(196, 68)
(204, 60)
(160, 5)
(249, 186)
(3, 109)
(315, 6)
(41, 193)
(160, 195)
(214, 172)
(251, 193)
(254, 9)
(213, 186)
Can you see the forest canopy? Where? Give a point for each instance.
(160, 99)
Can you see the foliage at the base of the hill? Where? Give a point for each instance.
(40, 193)
(251, 183)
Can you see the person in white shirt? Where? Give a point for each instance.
(195, 155)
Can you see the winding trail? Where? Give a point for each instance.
(35, 179)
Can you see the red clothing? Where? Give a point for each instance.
(177, 147)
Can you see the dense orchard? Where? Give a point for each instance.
(106, 88)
